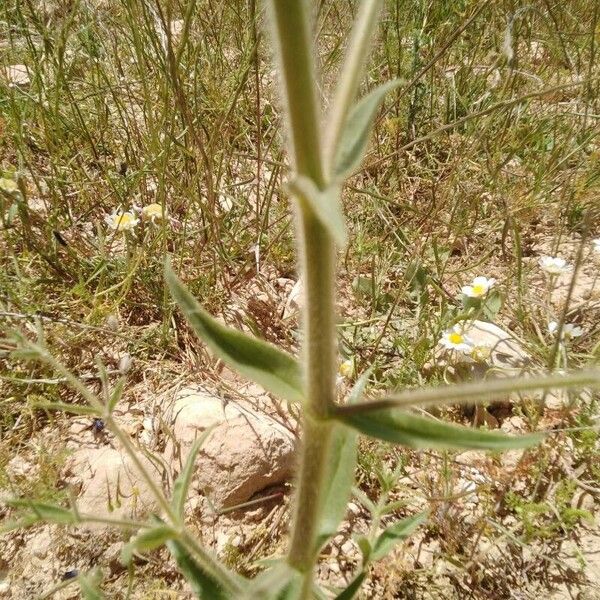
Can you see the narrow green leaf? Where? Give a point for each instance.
(415, 431)
(339, 482)
(357, 130)
(76, 409)
(45, 512)
(90, 585)
(203, 584)
(396, 533)
(272, 368)
(325, 204)
(147, 540)
(23, 523)
(116, 393)
(353, 588)
(359, 387)
(182, 483)
(281, 582)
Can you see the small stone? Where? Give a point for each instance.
(40, 544)
(17, 75)
(246, 451)
(4, 587)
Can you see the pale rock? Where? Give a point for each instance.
(17, 75)
(5, 588)
(19, 467)
(111, 483)
(40, 545)
(507, 354)
(245, 452)
(349, 550)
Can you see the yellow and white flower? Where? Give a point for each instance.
(153, 212)
(479, 287)
(554, 265)
(569, 330)
(122, 221)
(456, 339)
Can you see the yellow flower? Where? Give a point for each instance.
(347, 369)
(8, 185)
(122, 221)
(479, 287)
(153, 212)
(455, 339)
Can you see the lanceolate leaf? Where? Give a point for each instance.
(325, 204)
(357, 130)
(351, 591)
(88, 584)
(396, 533)
(280, 582)
(182, 483)
(340, 481)
(415, 431)
(203, 584)
(147, 540)
(46, 512)
(272, 368)
(76, 409)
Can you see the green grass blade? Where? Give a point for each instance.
(357, 130)
(265, 364)
(415, 431)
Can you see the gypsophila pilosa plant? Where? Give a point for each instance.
(324, 150)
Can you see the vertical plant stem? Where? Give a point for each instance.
(293, 41)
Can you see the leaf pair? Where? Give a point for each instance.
(281, 374)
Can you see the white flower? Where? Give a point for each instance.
(596, 245)
(153, 212)
(569, 330)
(455, 339)
(554, 265)
(122, 221)
(479, 287)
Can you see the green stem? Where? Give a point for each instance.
(293, 40)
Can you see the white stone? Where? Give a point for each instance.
(17, 75)
(244, 453)
(111, 483)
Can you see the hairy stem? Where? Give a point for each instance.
(293, 41)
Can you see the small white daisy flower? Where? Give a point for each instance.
(596, 245)
(455, 339)
(479, 287)
(122, 221)
(153, 212)
(554, 265)
(569, 330)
